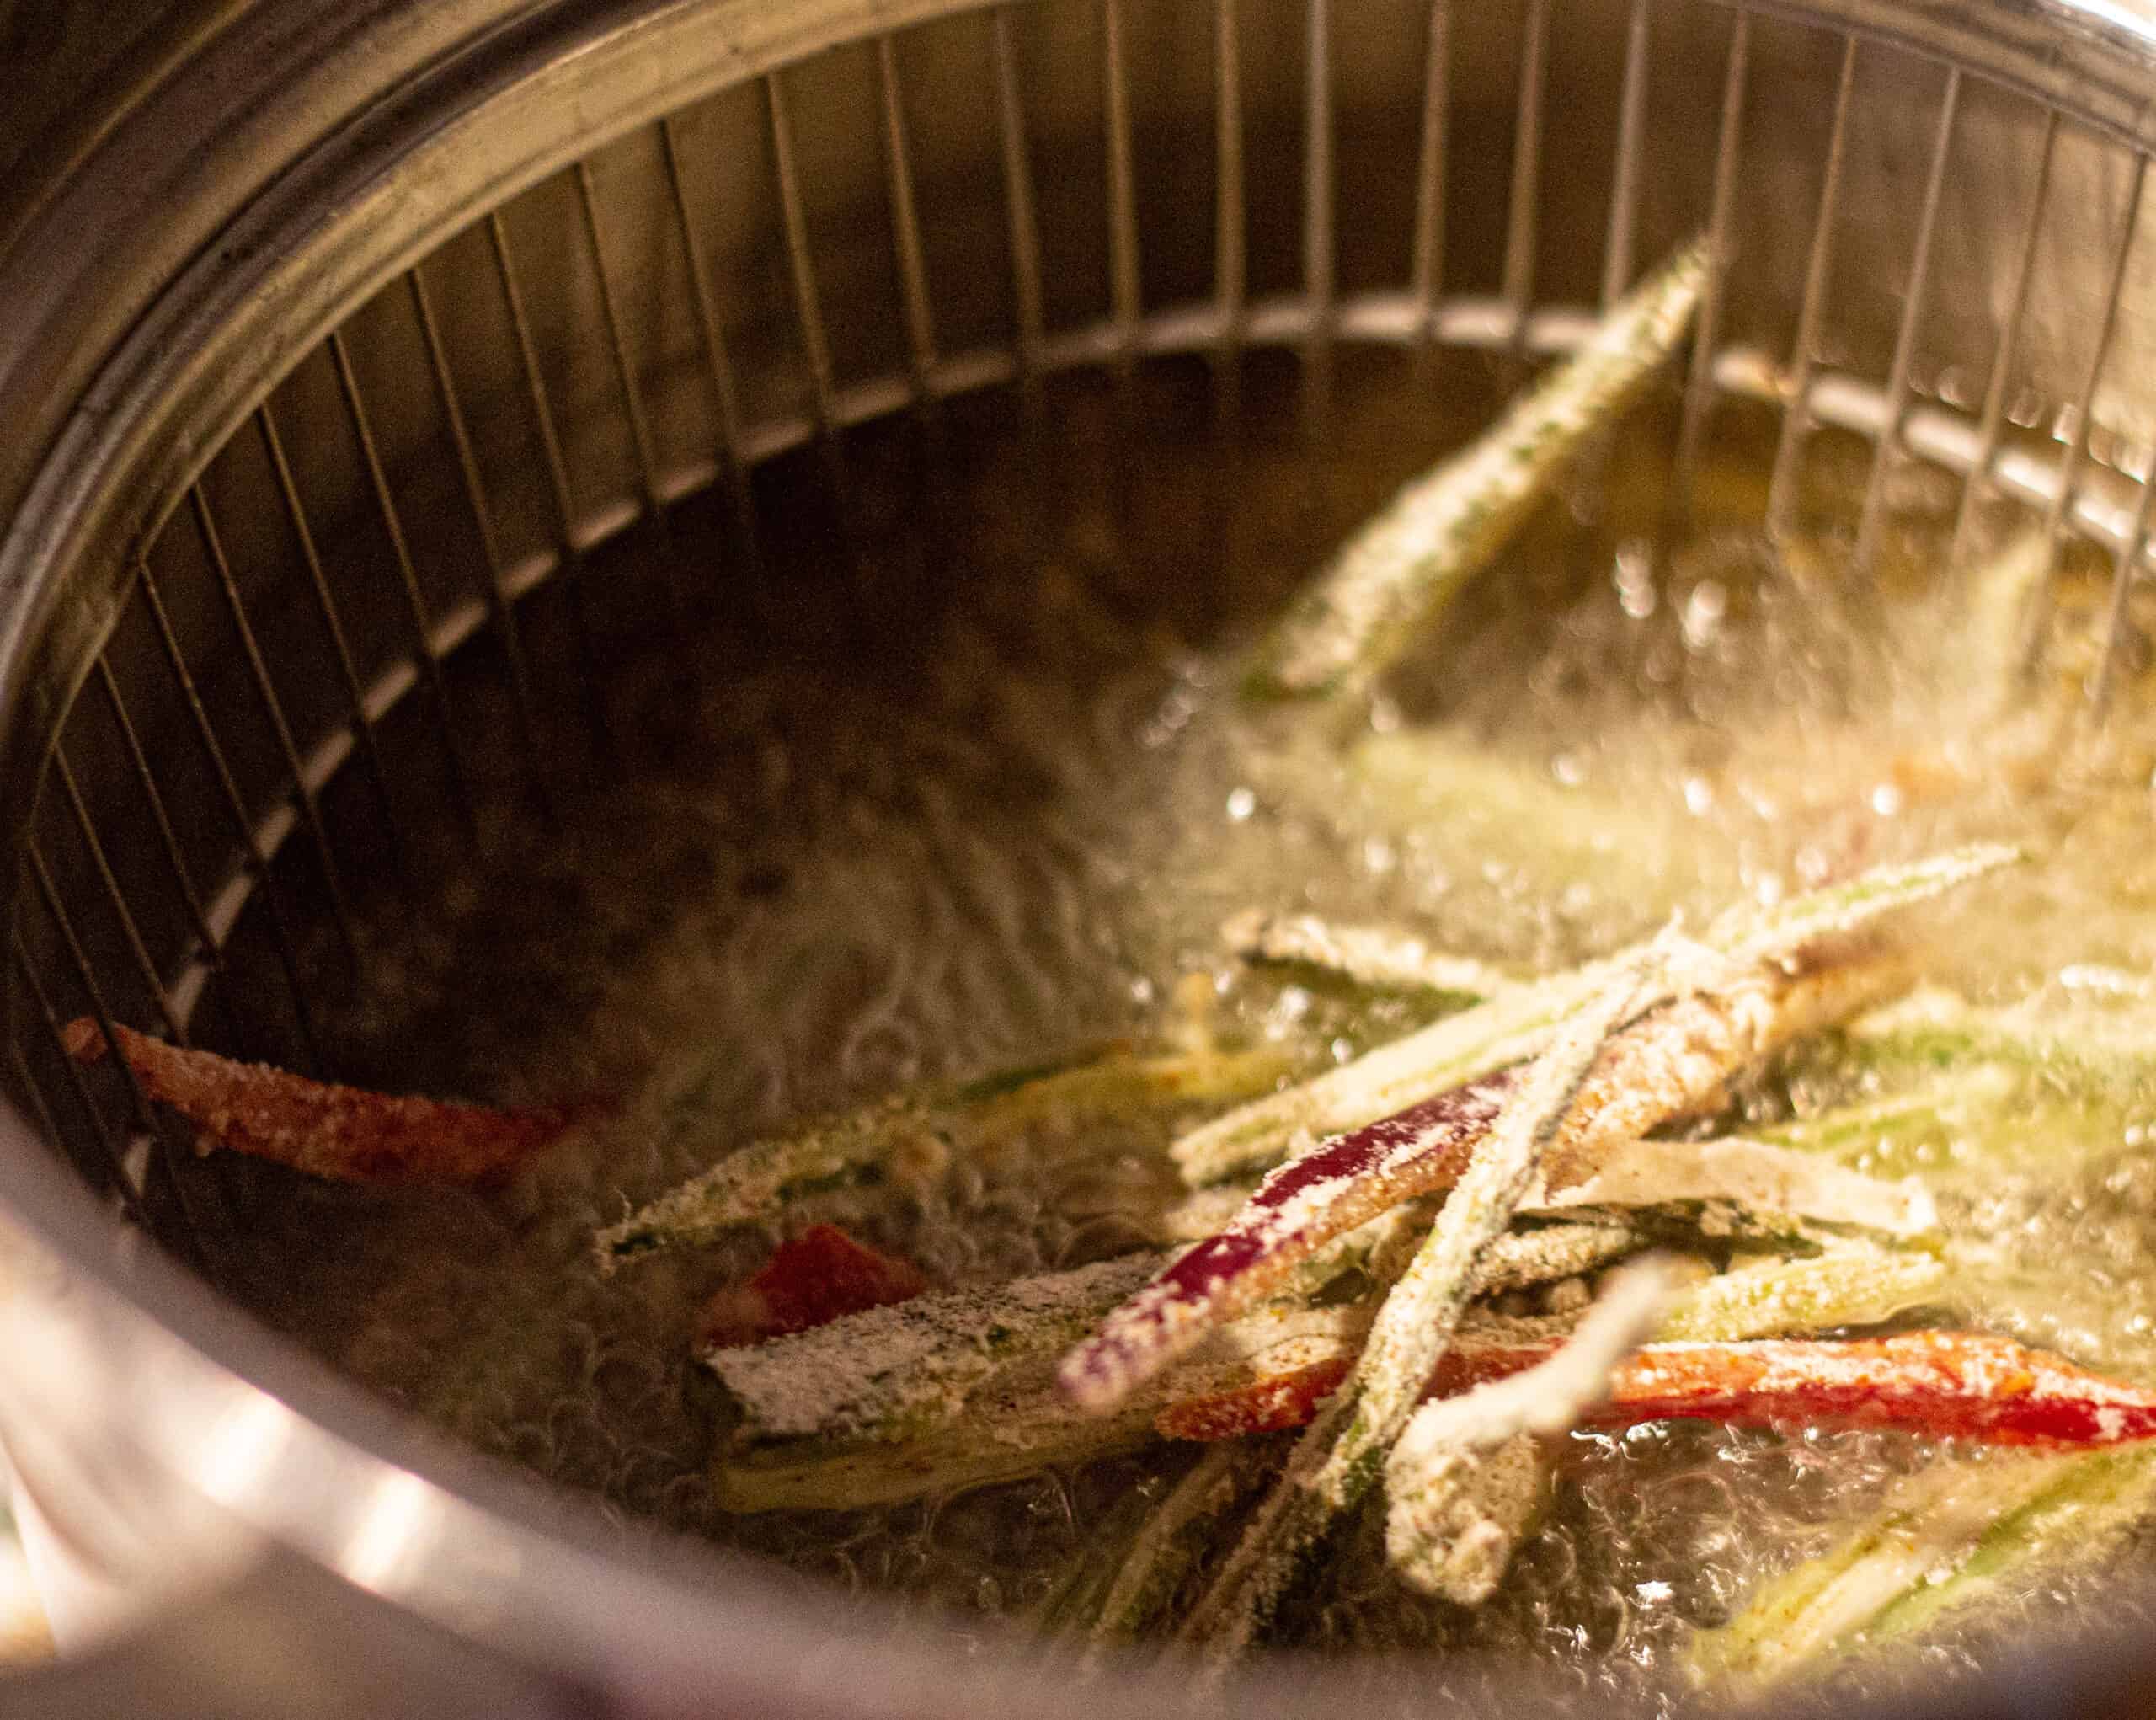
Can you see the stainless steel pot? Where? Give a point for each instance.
(340, 339)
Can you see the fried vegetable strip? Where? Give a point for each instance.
(880, 1373)
(1974, 1100)
(1548, 1252)
(1856, 1287)
(1337, 1460)
(2097, 1500)
(1266, 1405)
(1673, 1060)
(1516, 1023)
(1458, 1048)
(958, 1411)
(1945, 1384)
(1951, 1535)
(1768, 1183)
(821, 1275)
(1163, 1556)
(957, 1389)
(346, 1134)
(1948, 1385)
(1670, 1062)
(1463, 1475)
(1369, 955)
(1847, 1286)
(1960, 1094)
(915, 1134)
(1736, 1185)
(876, 1407)
(1404, 566)
(1471, 1508)
(2094, 1054)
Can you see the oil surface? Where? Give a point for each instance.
(980, 791)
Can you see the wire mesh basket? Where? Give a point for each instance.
(701, 312)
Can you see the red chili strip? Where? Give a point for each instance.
(1948, 1385)
(1295, 1211)
(347, 1134)
(821, 1275)
(1265, 1406)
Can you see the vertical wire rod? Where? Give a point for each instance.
(1819, 270)
(718, 364)
(1427, 270)
(1621, 237)
(1517, 285)
(130, 932)
(793, 216)
(1318, 238)
(1871, 520)
(1622, 241)
(274, 711)
(1991, 420)
(808, 313)
(1123, 294)
(625, 387)
(2038, 618)
(1036, 509)
(535, 385)
(912, 255)
(2123, 568)
(1126, 310)
(557, 472)
(1026, 274)
(213, 950)
(1230, 287)
(288, 490)
(482, 508)
(1699, 392)
(192, 1200)
(159, 1167)
(407, 577)
(257, 862)
(113, 1172)
(46, 1123)
(1230, 212)
(618, 349)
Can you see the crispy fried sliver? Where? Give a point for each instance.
(1947, 1385)
(346, 1134)
(1666, 1064)
(821, 1275)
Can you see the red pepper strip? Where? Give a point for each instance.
(819, 1277)
(1948, 1385)
(1265, 1406)
(1295, 1211)
(1669, 1064)
(347, 1134)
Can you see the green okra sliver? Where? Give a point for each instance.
(1403, 567)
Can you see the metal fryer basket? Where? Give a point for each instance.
(335, 543)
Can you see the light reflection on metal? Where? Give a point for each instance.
(395, 1530)
(242, 1446)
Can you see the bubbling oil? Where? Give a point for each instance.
(1015, 823)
